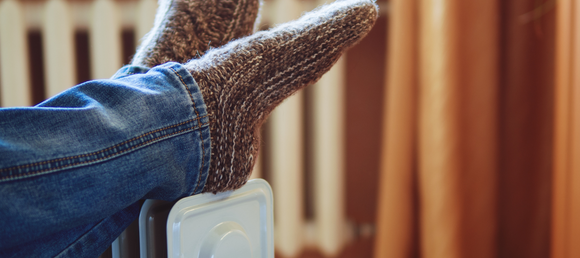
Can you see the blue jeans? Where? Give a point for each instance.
(73, 168)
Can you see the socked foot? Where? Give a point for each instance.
(243, 81)
(186, 29)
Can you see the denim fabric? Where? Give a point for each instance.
(73, 168)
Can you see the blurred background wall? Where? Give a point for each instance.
(449, 131)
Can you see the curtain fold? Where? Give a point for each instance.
(566, 195)
(526, 129)
(457, 137)
(397, 214)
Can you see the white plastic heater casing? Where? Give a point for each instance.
(231, 224)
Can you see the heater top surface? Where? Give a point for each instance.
(232, 224)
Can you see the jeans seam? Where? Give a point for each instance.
(82, 236)
(12, 177)
(198, 121)
(97, 152)
(66, 249)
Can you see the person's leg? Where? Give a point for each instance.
(109, 134)
(246, 79)
(87, 240)
(71, 164)
(186, 29)
(73, 134)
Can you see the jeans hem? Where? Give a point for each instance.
(200, 110)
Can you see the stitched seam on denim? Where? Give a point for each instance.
(200, 134)
(76, 241)
(11, 177)
(99, 159)
(94, 153)
(67, 249)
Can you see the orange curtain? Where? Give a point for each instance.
(566, 197)
(468, 141)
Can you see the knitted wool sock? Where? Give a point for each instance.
(185, 29)
(244, 80)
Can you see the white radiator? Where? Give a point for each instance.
(104, 19)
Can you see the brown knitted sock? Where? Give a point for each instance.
(244, 80)
(185, 29)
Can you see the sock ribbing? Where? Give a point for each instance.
(243, 81)
(185, 29)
